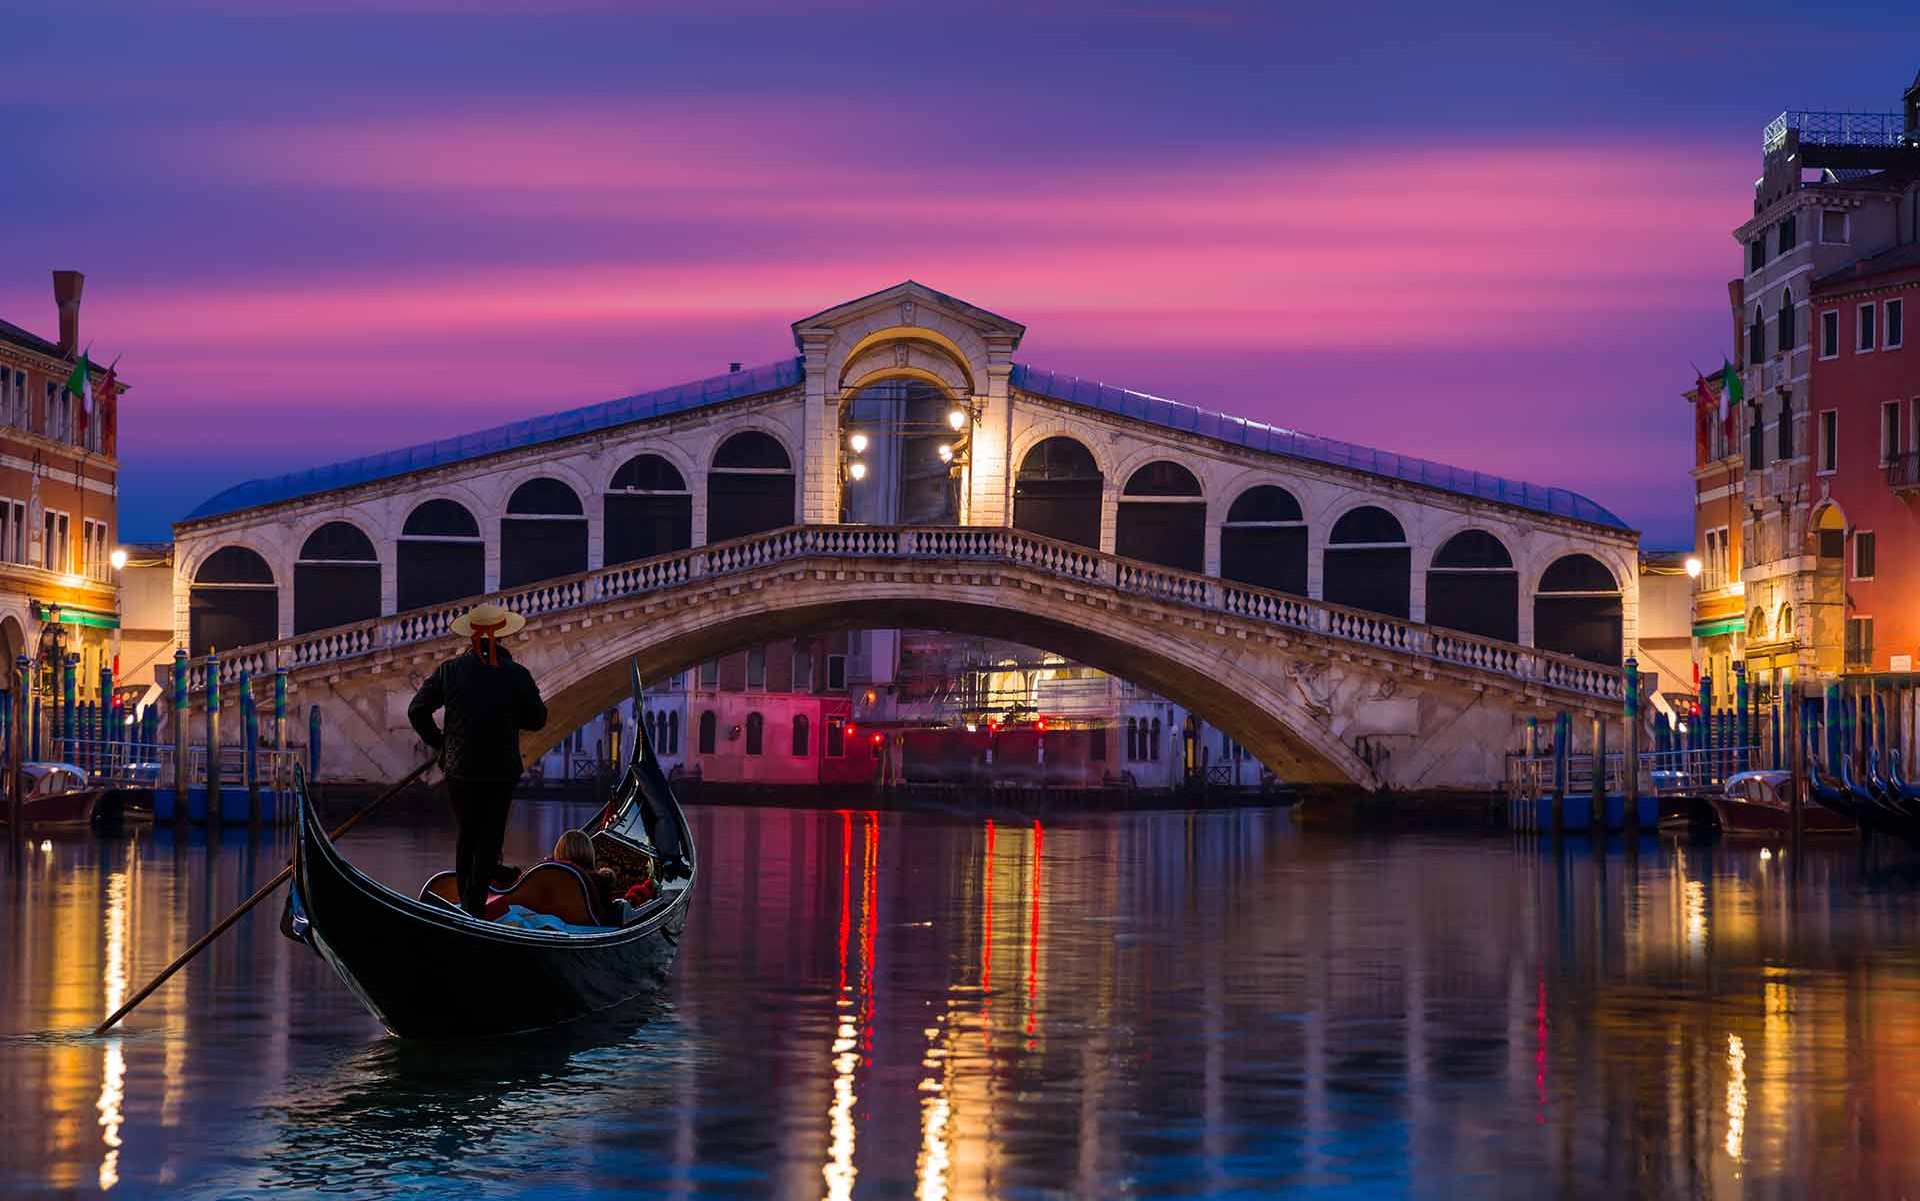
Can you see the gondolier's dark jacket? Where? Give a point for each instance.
(487, 707)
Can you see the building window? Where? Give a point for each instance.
(1889, 432)
(802, 736)
(1789, 234)
(836, 673)
(1859, 642)
(1714, 561)
(1833, 227)
(1829, 440)
(1097, 744)
(836, 737)
(1756, 437)
(1863, 549)
(710, 674)
(1865, 342)
(1786, 328)
(1830, 334)
(757, 670)
(756, 733)
(803, 669)
(1896, 325)
(1133, 740)
(1153, 742)
(1785, 430)
(1756, 254)
(708, 725)
(1756, 338)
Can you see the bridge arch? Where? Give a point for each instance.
(1265, 712)
(1161, 516)
(646, 509)
(959, 342)
(1473, 585)
(1059, 490)
(1578, 609)
(233, 600)
(1368, 561)
(543, 530)
(752, 483)
(440, 554)
(336, 578)
(1263, 539)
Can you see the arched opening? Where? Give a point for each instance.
(543, 535)
(1827, 615)
(709, 726)
(1472, 587)
(756, 733)
(905, 480)
(440, 558)
(1057, 492)
(802, 736)
(1368, 563)
(1577, 610)
(648, 511)
(1264, 541)
(1162, 517)
(233, 602)
(749, 487)
(336, 580)
(13, 643)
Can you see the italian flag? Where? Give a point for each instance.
(1731, 391)
(80, 384)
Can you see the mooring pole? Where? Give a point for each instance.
(1630, 819)
(182, 778)
(313, 742)
(1562, 729)
(249, 755)
(22, 678)
(1597, 814)
(1795, 710)
(1531, 779)
(214, 813)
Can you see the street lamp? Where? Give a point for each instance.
(946, 453)
(857, 470)
(118, 558)
(1694, 566)
(957, 419)
(858, 442)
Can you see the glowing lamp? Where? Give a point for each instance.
(118, 558)
(957, 419)
(946, 453)
(852, 729)
(1694, 566)
(859, 443)
(877, 738)
(1041, 725)
(858, 471)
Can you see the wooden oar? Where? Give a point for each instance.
(200, 944)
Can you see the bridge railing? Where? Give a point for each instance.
(984, 544)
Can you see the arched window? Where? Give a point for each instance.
(543, 535)
(1133, 740)
(1263, 542)
(907, 482)
(1368, 563)
(1153, 742)
(1757, 625)
(756, 733)
(803, 669)
(708, 724)
(336, 580)
(1162, 517)
(441, 556)
(1057, 492)
(673, 732)
(1578, 610)
(648, 510)
(233, 602)
(802, 736)
(1783, 624)
(1784, 332)
(1472, 587)
(749, 488)
(1756, 338)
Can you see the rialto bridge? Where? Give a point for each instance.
(1352, 617)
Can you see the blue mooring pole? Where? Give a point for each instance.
(250, 756)
(313, 742)
(182, 778)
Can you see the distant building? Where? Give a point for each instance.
(1866, 373)
(59, 489)
(1835, 188)
(1668, 618)
(1719, 614)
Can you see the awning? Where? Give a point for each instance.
(1726, 625)
(74, 615)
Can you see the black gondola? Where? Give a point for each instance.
(402, 956)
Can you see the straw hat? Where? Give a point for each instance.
(487, 618)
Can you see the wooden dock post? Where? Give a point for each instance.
(1795, 710)
(213, 739)
(1562, 734)
(1597, 813)
(182, 778)
(22, 680)
(249, 754)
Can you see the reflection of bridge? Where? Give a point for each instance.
(1348, 615)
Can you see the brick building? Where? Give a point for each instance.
(1867, 459)
(59, 487)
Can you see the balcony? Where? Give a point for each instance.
(1903, 473)
(1835, 129)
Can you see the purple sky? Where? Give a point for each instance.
(1473, 232)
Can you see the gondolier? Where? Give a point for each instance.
(488, 700)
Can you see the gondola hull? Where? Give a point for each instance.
(429, 971)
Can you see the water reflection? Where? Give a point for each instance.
(877, 1004)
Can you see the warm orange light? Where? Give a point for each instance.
(1041, 725)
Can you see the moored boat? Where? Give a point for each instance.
(60, 796)
(1753, 803)
(425, 968)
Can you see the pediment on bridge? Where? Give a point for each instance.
(909, 303)
(907, 330)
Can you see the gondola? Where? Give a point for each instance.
(426, 969)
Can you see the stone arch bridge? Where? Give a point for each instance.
(1351, 616)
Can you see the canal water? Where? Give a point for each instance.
(952, 1005)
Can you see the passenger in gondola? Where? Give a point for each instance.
(488, 699)
(576, 847)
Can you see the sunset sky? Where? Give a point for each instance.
(1477, 232)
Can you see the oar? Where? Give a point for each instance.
(200, 944)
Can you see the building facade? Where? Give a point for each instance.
(1835, 189)
(59, 488)
(1867, 448)
(1719, 614)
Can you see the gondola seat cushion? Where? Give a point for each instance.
(559, 889)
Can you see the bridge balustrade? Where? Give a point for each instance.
(964, 543)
